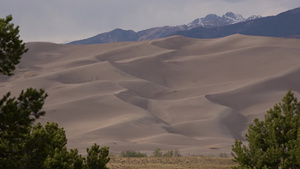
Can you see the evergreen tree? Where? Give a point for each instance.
(16, 118)
(42, 142)
(97, 157)
(11, 47)
(274, 142)
(63, 159)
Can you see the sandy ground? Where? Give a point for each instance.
(193, 95)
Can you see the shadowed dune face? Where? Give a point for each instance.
(174, 93)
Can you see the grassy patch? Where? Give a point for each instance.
(170, 162)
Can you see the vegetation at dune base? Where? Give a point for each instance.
(170, 162)
(156, 153)
(130, 153)
(170, 153)
(23, 144)
(275, 142)
(168, 159)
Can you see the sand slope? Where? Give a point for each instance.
(174, 93)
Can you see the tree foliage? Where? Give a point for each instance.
(97, 157)
(43, 142)
(16, 118)
(274, 142)
(63, 159)
(11, 47)
(24, 145)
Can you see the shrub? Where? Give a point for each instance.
(157, 153)
(130, 153)
(223, 155)
(169, 153)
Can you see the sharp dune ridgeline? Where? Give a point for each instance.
(194, 95)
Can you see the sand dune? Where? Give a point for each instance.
(193, 95)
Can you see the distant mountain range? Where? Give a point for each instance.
(286, 24)
(213, 20)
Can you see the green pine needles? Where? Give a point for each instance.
(11, 47)
(275, 142)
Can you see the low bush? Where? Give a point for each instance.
(130, 153)
(169, 153)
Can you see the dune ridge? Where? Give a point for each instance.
(194, 95)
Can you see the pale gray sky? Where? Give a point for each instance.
(62, 21)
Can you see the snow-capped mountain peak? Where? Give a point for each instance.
(254, 17)
(233, 18)
(213, 20)
(211, 17)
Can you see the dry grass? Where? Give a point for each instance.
(170, 163)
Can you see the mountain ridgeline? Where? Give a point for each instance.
(286, 24)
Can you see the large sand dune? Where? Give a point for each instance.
(193, 95)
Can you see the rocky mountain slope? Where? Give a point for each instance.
(286, 24)
(210, 21)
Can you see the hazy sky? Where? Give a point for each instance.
(62, 21)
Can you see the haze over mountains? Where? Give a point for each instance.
(286, 24)
(194, 95)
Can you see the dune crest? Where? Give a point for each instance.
(194, 95)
